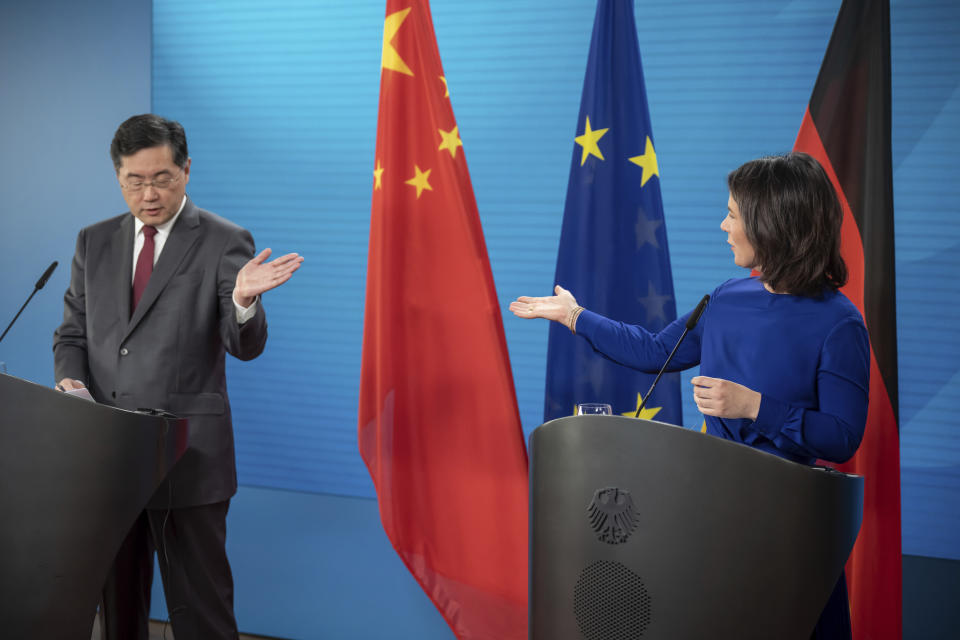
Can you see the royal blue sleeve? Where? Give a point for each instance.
(633, 346)
(833, 431)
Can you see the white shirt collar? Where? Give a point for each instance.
(164, 228)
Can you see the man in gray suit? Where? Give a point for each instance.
(157, 297)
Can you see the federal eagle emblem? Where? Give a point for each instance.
(612, 515)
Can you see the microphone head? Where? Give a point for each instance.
(695, 316)
(46, 275)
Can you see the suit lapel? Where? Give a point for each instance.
(121, 248)
(183, 236)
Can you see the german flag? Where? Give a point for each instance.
(847, 127)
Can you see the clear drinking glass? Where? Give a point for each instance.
(594, 409)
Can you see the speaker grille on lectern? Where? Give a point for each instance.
(610, 602)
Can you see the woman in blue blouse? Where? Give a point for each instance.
(784, 356)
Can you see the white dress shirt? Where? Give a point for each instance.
(159, 240)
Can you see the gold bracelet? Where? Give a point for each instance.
(572, 319)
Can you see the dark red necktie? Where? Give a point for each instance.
(144, 266)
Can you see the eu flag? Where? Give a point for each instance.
(613, 247)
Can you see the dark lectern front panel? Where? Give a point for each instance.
(73, 477)
(640, 529)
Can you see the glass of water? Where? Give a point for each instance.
(594, 409)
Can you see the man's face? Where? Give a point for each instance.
(152, 185)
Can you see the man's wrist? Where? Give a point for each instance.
(242, 302)
(244, 313)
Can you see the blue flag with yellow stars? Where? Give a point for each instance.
(613, 247)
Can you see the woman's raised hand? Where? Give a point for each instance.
(556, 308)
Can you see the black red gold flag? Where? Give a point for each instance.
(847, 127)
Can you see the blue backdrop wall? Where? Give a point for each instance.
(280, 100)
(69, 74)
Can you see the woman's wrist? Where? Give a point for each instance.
(754, 410)
(572, 318)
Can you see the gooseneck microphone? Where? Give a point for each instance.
(691, 323)
(42, 281)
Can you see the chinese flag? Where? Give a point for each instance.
(847, 128)
(439, 428)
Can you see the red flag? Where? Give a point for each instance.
(439, 428)
(847, 128)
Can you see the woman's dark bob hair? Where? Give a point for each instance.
(792, 217)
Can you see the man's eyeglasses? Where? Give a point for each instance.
(163, 182)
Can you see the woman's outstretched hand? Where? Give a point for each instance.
(557, 308)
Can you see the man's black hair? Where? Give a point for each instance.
(145, 131)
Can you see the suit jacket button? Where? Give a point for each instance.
(124, 351)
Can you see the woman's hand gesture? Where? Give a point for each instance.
(557, 308)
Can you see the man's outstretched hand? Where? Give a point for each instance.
(258, 275)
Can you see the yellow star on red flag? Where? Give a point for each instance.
(419, 180)
(451, 140)
(391, 59)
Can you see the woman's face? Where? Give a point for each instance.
(743, 254)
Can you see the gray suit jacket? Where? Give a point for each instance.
(170, 354)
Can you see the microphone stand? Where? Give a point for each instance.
(691, 323)
(42, 281)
